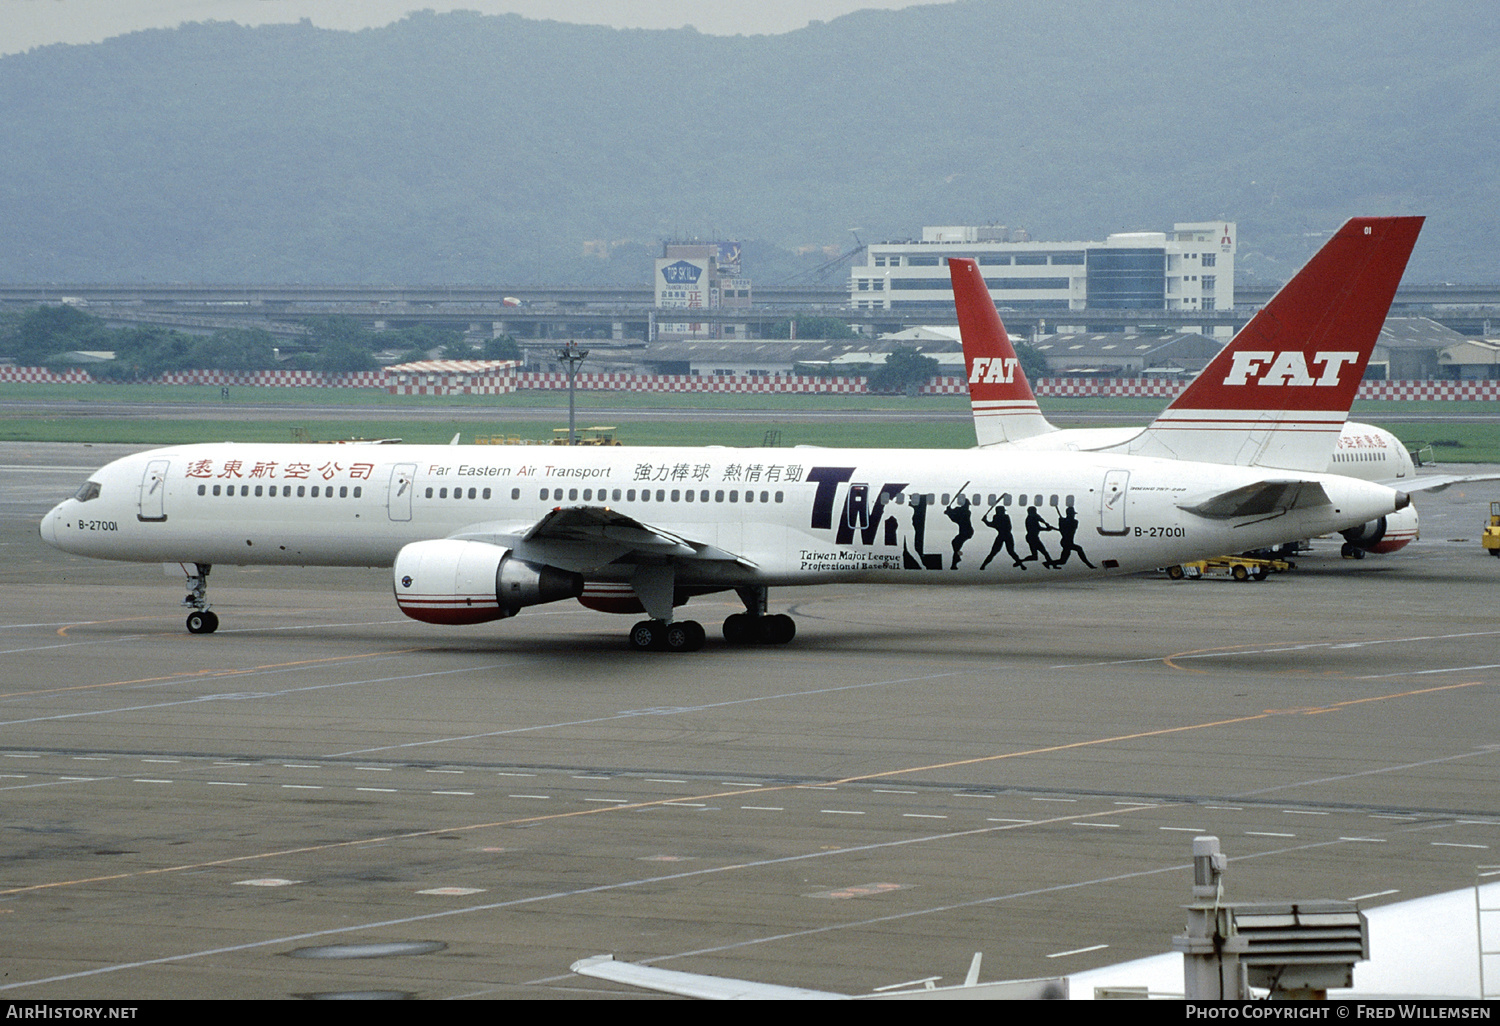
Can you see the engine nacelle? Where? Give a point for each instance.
(1389, 533)
(454, 582)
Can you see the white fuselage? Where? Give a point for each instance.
(790, 516)
(1363, 451)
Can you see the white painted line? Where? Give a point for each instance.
(1303, 812)
(921, 815)
(382, 790)
(997, 819)
(374, 769)
(961, 794)
(89, 758)
(1185, 830)
(841, 812)
(543, 797)
(1054, 799)
(1455, 844)
(687, 805)
(303, 787)
(611, 801)
(1226, 808)
(1366, 840)
(500, 773)
(1263, 833)
(815, 787)
(590, 777)
(144, 780)
(299, 765)
(662, 780)
(457, 772)
(739, 783)
(172, 761)
(1078, 951)
(462, 794)
(225, 783)
(1111, 826)
(880, 790)
(763, 808)
(453, 892)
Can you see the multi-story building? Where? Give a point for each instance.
(1189, 268)
(699, 276)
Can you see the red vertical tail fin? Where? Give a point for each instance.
(1005, 408)
(1279, 393)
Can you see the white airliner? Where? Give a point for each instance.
(477, 533)
(1006, 411)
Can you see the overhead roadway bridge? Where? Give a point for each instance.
(626, 312)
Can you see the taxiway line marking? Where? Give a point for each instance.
(216, 673)
(635, 806)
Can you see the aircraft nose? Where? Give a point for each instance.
(49, 526)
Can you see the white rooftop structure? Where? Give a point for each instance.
(1188, 268)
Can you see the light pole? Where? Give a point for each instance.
(571, 356)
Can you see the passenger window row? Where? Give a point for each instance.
(303, 491)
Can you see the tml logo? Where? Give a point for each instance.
(1289, 368)
(998, 370)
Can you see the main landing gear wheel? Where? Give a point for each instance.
(657, 636)
(202, 622)
(772, 629)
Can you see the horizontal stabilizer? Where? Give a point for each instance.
(1262, 499)
(1437, 482)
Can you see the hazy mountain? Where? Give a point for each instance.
(470, 148)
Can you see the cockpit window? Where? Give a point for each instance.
(90, 490)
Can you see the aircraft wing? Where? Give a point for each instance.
(1263, 499)
(1437, 482)
(583, 537)
(695, 985)
(725, 988)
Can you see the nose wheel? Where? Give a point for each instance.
(202, 622)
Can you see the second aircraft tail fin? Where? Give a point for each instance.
(1005, 408)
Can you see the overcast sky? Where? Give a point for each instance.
(28, 23)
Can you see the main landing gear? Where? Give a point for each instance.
(660, 636)
(753, 627)
(200, 620)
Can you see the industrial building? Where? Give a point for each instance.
(1190, 268)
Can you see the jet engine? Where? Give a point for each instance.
(453, 582)
(1389, 533)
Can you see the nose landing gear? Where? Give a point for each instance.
(200, 620)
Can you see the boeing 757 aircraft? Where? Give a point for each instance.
(476, 534)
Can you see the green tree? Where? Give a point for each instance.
(502, 348)
(905, 370)
(811, 327)
(46, 331)
(1033, 363)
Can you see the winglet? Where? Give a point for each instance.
(1005, 408)
(1279, 393)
